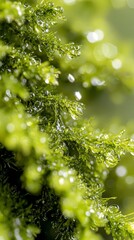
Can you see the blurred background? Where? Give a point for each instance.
(102, 77)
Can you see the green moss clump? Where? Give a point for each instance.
(53, 162)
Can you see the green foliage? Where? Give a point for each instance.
(53, 162)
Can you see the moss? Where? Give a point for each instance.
(53, 162)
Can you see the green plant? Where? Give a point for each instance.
(53, 161)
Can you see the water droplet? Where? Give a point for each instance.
(73, 116)
(17, 234)
(129, 180)
(17, 221)
(10, 127)
(79, 109)
(116, 63)
(109, 50)
(95, 36)
(97, 82)
(8, 18)
(88, 213)
(92, 162)
(69, 1)
(6, 99)
(63, 173)
(70, 172)
(78, 95)
(39, 168)
(42, 139)
(39, 47)
(40, 23)
(71, 179)
(29, 123)
(71, 78)
(47, 81)
(17, 102)
(106, 136)
(54, 164)
(37, 29)
(132, 138)
(59, 127)
(100, 215)
(105, 173)
(19, 115)
(85, 84)
(19, 10)
(121, 171)
(24, 81)
(8, 93)
(114, 209)
(61, 181)
(47, 92)
(92, 210)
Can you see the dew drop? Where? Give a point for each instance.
(42, 139)
(109, 50)
(63, 173)
(78, 95)
(8, 93)
(92, 210)
(10, 127)
(97, 82)
(6, 99)
(71, 179)
(73, 116)
(85, 84)
(88, 213)
(47, 81)
(17, 234)
(19, 10)
(100, 215)
(29, 123)
(24, 81)
(71, 78)
(129, 180)
(95, 36)
(39, 168)
(58, 127)
(61, 181)
(116, 63)
(92, 162)
(19, 115)
(121, 171)
(9, 19)
(40, 23)
(39, 47)
(69, 1)
(70, 172)
(105, 173)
